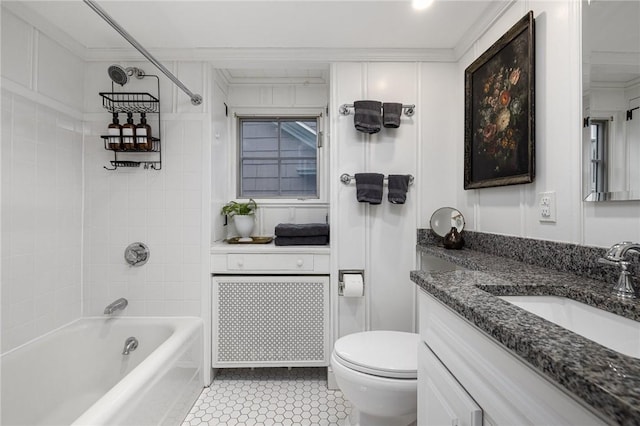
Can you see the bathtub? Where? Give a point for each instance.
(78, 375)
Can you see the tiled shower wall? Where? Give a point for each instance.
(66, 221)
(166, 209)
(41, 219)
(41, 151)
(162, 209)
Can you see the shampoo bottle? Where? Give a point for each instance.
(143, 134)
(115, 134)
(129, 134)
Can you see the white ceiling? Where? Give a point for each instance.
(392, 24)
(294, 40)
(266, 41)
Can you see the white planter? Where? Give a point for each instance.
(244, 226)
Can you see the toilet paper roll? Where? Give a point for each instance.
(353, 285)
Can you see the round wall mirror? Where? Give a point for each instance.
(445, 218)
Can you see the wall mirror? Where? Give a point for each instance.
(611, 100)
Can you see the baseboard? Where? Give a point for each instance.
(331, 379)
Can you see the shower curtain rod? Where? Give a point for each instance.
(195, 98)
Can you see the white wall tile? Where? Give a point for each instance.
(41, 221)
(148, 206)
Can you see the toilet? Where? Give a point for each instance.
(377, 372)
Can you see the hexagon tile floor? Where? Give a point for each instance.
(269, 396)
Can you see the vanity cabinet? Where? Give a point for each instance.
(443, 401)
(474, 365)
(270, 306)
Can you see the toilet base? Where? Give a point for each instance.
(356, 418)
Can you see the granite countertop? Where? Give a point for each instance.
(606, 380)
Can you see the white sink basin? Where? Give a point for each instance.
(613, 331)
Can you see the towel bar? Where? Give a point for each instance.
(408, 110)
(347, 178)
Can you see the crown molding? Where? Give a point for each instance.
(486, 20)
(623, 85)
(257, 57)
(229, 79)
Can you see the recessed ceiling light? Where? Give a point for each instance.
(421, 4)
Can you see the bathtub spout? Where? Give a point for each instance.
(131, 344)
(117, 305)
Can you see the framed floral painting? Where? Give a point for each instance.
(499, 136)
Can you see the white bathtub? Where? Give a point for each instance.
(78, 375)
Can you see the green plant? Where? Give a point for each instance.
(233, 208)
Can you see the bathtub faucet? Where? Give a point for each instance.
(118, 305)
(131, 344)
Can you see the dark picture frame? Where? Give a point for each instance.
(499, 118)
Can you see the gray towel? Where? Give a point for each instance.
(318, 240)
(398, 186)
(391, 113)
(369, 187)
(302, 229)
(367, 116)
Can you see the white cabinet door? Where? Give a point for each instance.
(442, 401)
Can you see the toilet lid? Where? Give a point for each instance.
(392, 354)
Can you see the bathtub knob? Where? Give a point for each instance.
(131, 344)
(136, 254)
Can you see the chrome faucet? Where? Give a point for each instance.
(618, 255)
(117, 305)
(131, 344)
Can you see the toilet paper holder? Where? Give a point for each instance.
(341, 274)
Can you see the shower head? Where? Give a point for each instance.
(120, 75)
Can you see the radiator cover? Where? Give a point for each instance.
(270, 321)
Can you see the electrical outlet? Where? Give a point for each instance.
(547, 206)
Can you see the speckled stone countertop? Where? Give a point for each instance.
(606, 380)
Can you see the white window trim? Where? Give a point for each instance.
(323, 152)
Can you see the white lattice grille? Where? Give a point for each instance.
(273, 319)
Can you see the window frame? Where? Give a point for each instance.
(281, 113)
(599, 150)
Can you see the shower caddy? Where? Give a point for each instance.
(134, 102)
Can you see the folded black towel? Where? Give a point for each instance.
(367, 116)
(398, 186)
(318, 240)
(301, 229)
(391, 113)
(369, 187)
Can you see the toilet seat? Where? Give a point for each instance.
(391, 354)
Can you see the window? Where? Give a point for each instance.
(278, 157)
(599, 141)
